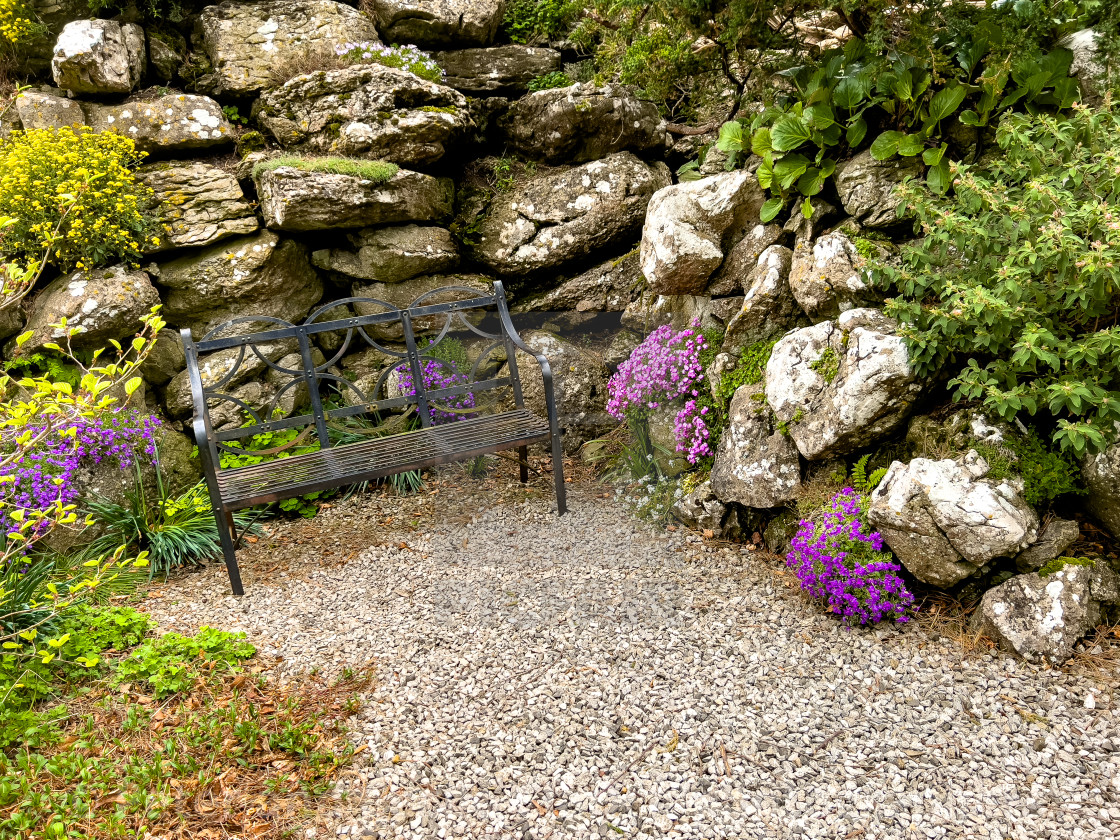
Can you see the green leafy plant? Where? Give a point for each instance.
(171, 663)
(233, 115)
(1013, 283)
(827, 365)
(860, 481)
(749, 370)
(537, 21)
(1059, 563)
(555, 79)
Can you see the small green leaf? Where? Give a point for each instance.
(856, 132)
(910, 145)
(886, 145)
(789, 132)
(730, 137)
(938, 177)
(946, 101)
(770, 209)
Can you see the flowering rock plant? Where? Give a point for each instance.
(841, 563)
(439, 374)
(664, 370)
(406, 57)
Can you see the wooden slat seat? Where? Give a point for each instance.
(379, 457)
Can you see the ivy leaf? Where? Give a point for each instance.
(789, 132)
(886, 145)
(770, 209)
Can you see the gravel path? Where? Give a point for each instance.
(590, 676)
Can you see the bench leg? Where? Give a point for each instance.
(523, 462)
(226, 534)
(558, 475)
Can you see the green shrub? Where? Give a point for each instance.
(1016, 277)
(749, 370)
(18, 25)
(555, 79)
(73, 198)
(171, 663)
(378, 171)
(537, 21)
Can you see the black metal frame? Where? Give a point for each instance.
(335, 466)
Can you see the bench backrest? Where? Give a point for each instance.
(423, 324)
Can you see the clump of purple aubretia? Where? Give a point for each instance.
(439, 374)
(838, 562)
(46, 474)
(661, 371)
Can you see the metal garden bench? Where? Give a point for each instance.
(488, 424)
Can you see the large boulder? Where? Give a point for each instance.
(255, 275)
(945, 521)
(99, 57)
(683, 239)
(103, 305)
(1056, 537)
(608, 287)
(827, 277)
(439, 23)
(247, 43)
(867, 187)
(769, 308)
(11, 321)
(580, 383)
(756, 464)
(1101, 473)
(841, 385)
(567, 216)
(296, 199)
(735, 275)
(1040, 617)
(231, 368)
(1088, 65)
(365, 111)
(167, 124)
(582, 123)
(494, 71)
(392, 254)
(197, 204)
(165, 360)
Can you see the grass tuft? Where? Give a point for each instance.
(378, 171)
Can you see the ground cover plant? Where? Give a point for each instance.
(378, 171)
(407, 57)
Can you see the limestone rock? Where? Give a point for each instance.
(581, 123)
(867, 187)
(683, 235)
(700, 509)
(1041, 618)
(365, 111)
(1088, 65)
(1101, 474)
(827, 277)
(1056, 537)
(608, 287)
(165, 360)
(735, 274)
(620, 348)
(769, 308)
(755, 465)
(580, 382)
(11, 321)
(492, 71)
(198, 204)
(294, 199)
(168, 124)
(648, 312)
(225, 367)
(99, 57)
(104, 304)
(167, 53)
(248, 42)
(662, 435)
(173, 451)
(566, 216)
(439, 23)
(403, 294)
(392, 254)
(841, 385)
(945, 520)
(259, 275)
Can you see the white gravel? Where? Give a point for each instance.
(590, 676)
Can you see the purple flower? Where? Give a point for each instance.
(437, 375)
(839, 563)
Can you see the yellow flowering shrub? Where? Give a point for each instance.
(17, 24)
(73, 196)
